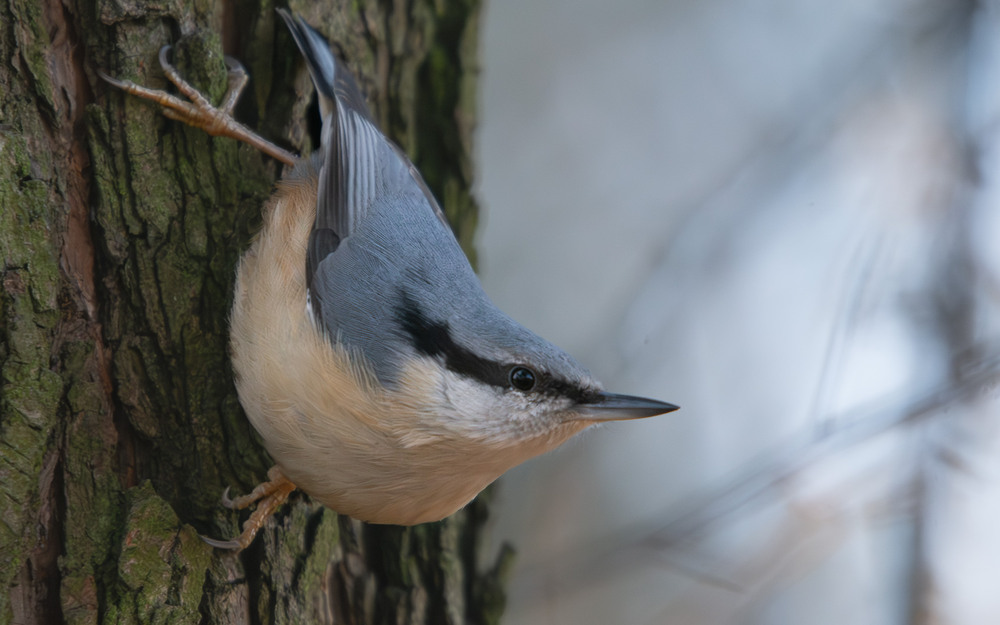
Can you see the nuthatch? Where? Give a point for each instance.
(381, 378)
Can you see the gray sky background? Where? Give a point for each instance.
(780, 215)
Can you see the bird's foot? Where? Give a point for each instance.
(199, 112)
(270, 495)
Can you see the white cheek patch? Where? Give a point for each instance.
(469, 400)
(493, 413)
(455, 407)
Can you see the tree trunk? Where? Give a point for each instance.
(120, 231)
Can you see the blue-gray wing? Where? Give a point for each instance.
(362, 173)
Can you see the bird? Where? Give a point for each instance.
(381, 378)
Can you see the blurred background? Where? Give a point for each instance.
(782, 216)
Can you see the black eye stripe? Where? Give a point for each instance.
(434, 339)
(560, 388)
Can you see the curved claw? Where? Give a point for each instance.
(226, 501)
(164, 51)
(232, 545)
(233, 65)
(114, 81)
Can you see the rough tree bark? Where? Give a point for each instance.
(119, 233)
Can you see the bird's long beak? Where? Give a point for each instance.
(615, 407)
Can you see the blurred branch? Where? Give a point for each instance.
(756, 487)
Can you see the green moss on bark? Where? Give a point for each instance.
(30, 390)
(119, 424)
(161, 565)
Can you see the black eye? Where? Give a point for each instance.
(522, 378)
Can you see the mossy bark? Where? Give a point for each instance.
(119, 234)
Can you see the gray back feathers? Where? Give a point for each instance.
(385, 275)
